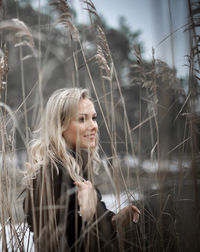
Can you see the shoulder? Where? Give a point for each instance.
(53, 173)
(58, 172)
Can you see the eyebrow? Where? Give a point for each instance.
(84, 114)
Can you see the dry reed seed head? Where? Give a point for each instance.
(165, 74)
(91, 8)
(65, 18)
(138, 73)
(103, 53)
(151, 85)
(20, 30)
(61, 5)
(73, 30)
(101, 60)
(102, 42)
(137, 53)
(138, 69)
(90, 3)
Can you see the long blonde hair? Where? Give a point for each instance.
(48, 144)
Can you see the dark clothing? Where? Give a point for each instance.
(52, 208)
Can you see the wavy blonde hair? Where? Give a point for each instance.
(49, 145)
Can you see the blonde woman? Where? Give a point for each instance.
(63, 208)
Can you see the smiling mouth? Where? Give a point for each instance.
(90, 136)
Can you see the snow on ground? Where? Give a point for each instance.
(114, 204)
(23, 235)
(168, 165)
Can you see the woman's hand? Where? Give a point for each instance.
(126, 216)
(87, 199)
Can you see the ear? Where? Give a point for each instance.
(64, 129)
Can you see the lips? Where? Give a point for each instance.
(91, 136)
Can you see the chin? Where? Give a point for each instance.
(89, 146)
(92, 146)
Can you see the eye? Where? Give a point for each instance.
(81, 119)
(94, 118)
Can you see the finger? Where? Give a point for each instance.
(87, 182)
(77, 183)
(136, 217)
(135, 209)
(136, 213)
(80, 185)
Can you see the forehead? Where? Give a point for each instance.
(86, 105)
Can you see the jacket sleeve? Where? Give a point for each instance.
(104, 216)
(47, 206)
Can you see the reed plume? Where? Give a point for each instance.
(22, 34)
(65, 17)
(91, 8)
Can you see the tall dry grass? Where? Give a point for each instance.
(169, 201)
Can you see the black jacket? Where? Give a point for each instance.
(51, 208)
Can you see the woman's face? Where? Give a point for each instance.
(83, 128)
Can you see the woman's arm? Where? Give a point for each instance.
(87, 199)
(47, 205)
(126, 216)
(92, 208)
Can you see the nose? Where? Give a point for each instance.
(92, 125)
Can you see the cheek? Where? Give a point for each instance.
(77, 130)
(70, 134)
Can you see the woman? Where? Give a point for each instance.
(63, 208)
